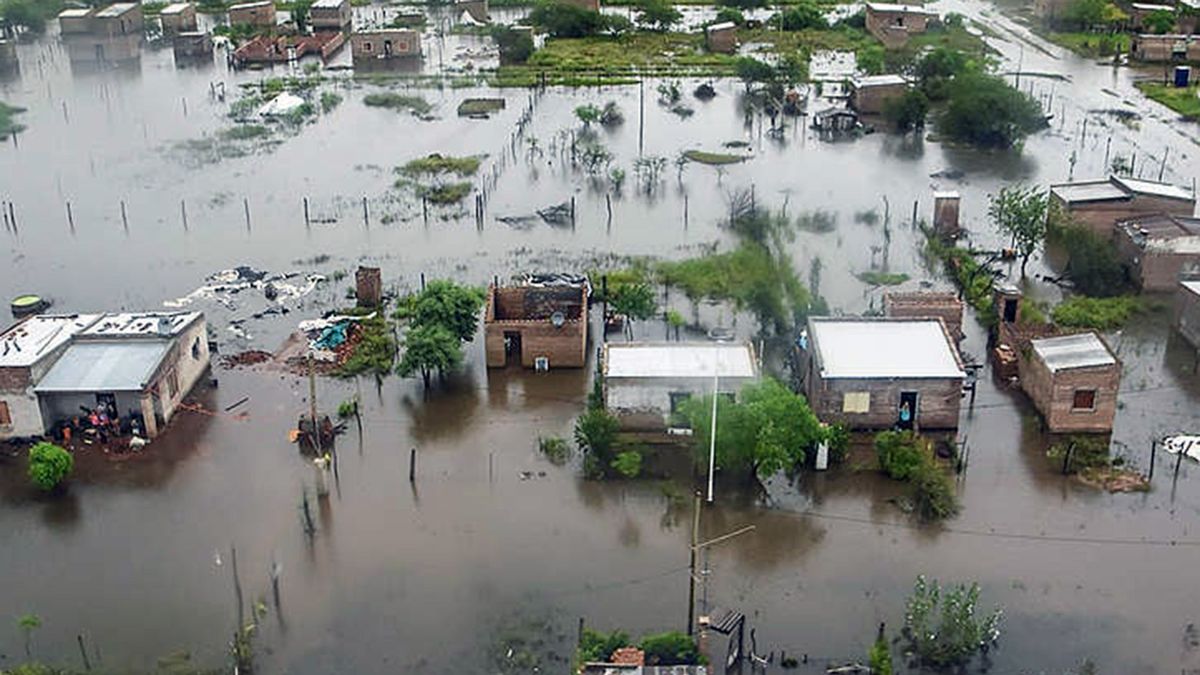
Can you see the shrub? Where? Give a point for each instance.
(394, 101)
(595, 433)
(1092, 262)
(986, 111)
(598, 646)
(941, 627)
(907, 112)
(1096, 313)
(515, 46)
(803, 16)
(348, 408)
(670, 649)
(49, 465)
(563, 20)
(628, 463)
(555, 449)
(899, 452)
(880, 657)
(933, 492)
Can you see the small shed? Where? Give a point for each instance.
(75, 21)
(368, 286)
(1161, 48)
(330, 15)
(892, 24)
(27, 350)
(945, 213)
(538, 326)
(178, 17)
(260, 14)
(1099, 204)
(835, 120)
(943, 305)
(645, 383)
(721, 37)
(383, 44)
(870, 94)
(1073, 382)
(1187, 311)
(879, 373)
(1159, 250)
(192, 45)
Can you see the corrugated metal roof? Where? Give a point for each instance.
(1088, 191)
(892, 7)
(1192, 286)
(879, 81)
(679, 359)
(104, 367)
(113, 11)
(1149, 187)
(138, 324)
(327, 4)
(1085, 350)
(883, 348)
(75, 13)
(30, 341)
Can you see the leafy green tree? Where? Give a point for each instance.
(804, 15)
(515, 46)
(49, 465)
(429, 348)
(445, 303)
(933, 493)
(587, 114)
(751, 71)
(1092, 263)
(31, 15)
(942, 626)
(595, 434)
(907, 112)
(1085, 13)
(658, 15)
(564, 20)
(635, 301)
(628, 463)
(300, 12)
(938, 67)
(1020, 213)
(671, 649)
(985, 111)
(598, 646)
(871, 59)
(1159, 21)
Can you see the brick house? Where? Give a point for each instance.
(369, 46)
(721, 38)
(1099, 204)
(112, 33)
(1073, 382)
(1159, 48)
(331, 15)
(872, 373)
(537, 326)
(869, 94)
(891, 23)
(1158, 250)
(178, 17)
(27, 351)
(1138, 11)
(260, 14)
(943, 305)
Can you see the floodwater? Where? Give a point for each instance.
(492, 540)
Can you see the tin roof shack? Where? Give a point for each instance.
(539, 326)
(1160, 48)
(27, 351)
(253, 14)
(872, 373)
(330, 15)
(1073, 382)
(192, 45)
(372, 46)
(1099, 204)
(1187, 311)
(721, 37)
(835, 121)
(869, 94)
(178, 17)
(141, 363)
(1159, 250)
(75, 21)
(645, 383)
(942, 305)
(891, 23)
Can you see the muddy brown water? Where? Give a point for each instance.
(429, 577)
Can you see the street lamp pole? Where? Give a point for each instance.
(712, 440)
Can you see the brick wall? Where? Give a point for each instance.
(1100, 217)
(1053, 394)
(254, 16)
(938, 401)
(1152, 270)
(944, 306)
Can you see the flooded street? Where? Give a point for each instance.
(492, 539)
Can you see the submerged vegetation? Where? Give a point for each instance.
(906, 456)
(8, 125)
(398, 102)
(429, 177)
(1183, 100)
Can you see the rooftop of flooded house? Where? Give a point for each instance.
(175, 8)
(1117, 188)
(140, 324)
(1192, 287)
(75, 13)
(890, 80)
(252, 5)
(883, 348)
(1151, 7)
(1084, 350)
(1176, 234)
(104, 366)
(716, 27)
(27, 342)
(115, 10)
(328, 4)
(893, 7)
(679, 360)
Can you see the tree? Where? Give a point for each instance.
(1020, 213)
(1085, 13)
(670, 649)
(429, 348)
(941, 625)
(804, 15)
(730, 15)
(938, 67)
(634, 300)
(899, 453)
(628, 463)
(1159, 21)
(598, 646)
(49, 465)
(907, 112)
(658, 15)
(564, 20)
(985, 111)
(300, 11)
(447, 304)
(28, 14)
(587, 114)
(595, 434)
(515, 46)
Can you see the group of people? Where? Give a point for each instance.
(101, 424)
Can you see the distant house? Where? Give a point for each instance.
(942, 305)
(1138, 11)
(75, 21)
(110, 34)
(330, 15)
(892, 24)
(835, 120)
(871, 373)
(178, 17)
(1187, 311)
(1159, 250)
(537, 326)
(1159, 48)
(1099, 204)
(136, 364)
(388, 43)
(1073, 382)
(721, 37)
(869, 94)
(645, 383)
(260, 14)
(476, 10)
(192, 45)
(285, 48)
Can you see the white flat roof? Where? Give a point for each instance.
(879, 80)
(328, 4)
(883, 348)
(1150, 187)
(75, 13)
(28, 342)
(1085, 350)
(679, 360)
(113, 11)
(252, 5)
(135, 324)
(893, 7)
(1192, 287)
(1151, 7)
(175, 8)
(727, 25)
(1088, 191)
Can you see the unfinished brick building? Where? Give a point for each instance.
(1073, 381)
(942, 305)
(538, 326)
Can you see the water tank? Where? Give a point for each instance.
(1183, 75)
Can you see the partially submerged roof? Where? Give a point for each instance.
(1149, 187)
(893, 7)
(883, 348)
(104, 366)
(329, 4)
(1163, 232)
(141, 324)
(727, 25)
(879, 81)
(1151, 7)
(1117, 188)
(176, 8)
(679, 360)
(251, 5)
(117, 9)
(30, 341)
(1084, 350)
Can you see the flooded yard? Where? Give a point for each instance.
(492, 539)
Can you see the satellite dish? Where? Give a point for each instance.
(558, 319)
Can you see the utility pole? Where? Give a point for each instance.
(312, 403)
(691, 620)
(712, 441)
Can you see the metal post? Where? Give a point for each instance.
(691, 620)
(412, 465)
(1153, 452)
(312, 402)
(712, 441)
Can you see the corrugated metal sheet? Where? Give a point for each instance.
(104, 367)
(883, 348)
(1084, 350)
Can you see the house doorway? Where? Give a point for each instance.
(1010, 310)
(906, 415)
(107, 403)
(387, 48)
(512, 347)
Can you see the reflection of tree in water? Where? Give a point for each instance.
(529, 641)
(446, 413)
(778, 537)
(629, 534)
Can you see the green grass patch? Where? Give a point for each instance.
(1091, 45)
(244, 132)
(1097, 313)
(616, 60)
(8, 125)
(1183, 100)
(876, 278)
(436, 165)
(445, 193)
(713, 158)
(400, 102)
